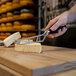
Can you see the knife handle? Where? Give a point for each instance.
(56, 31)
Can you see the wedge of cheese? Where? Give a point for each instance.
(34, 47)
(11, 39)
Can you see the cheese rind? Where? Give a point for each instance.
(11, 39)
(34, 47)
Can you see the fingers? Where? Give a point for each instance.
(50, 36)
(60, 32)
(51, 22)
(56, 25)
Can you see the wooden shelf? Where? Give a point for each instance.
(28, 4)
(4, 2)
(27, 18)
(20, 31)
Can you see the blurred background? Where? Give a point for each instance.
(29, 16)
(53, 8)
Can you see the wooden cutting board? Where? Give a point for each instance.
(51, 60)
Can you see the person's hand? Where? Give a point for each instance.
(55, 23)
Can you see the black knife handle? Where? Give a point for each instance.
(56, 31)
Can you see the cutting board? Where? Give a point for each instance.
(51, 60)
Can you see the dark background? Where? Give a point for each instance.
(69, 38)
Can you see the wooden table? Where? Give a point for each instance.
(50, 61)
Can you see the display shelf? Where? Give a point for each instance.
(3, 2)
(19, 17)
(26, 18)
(16, 30)
(26, 5)
(21, 31)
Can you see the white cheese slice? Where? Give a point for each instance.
(26, 41)
(11, 39)
(34, 47)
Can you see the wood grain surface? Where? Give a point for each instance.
(5, 71)
(51, 60)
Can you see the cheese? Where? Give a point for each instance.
(33, 47)
(25, 41)
(11, 39)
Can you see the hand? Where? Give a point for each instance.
(55, 23)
